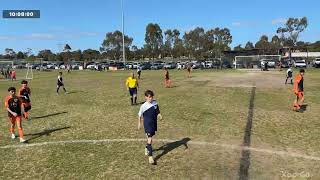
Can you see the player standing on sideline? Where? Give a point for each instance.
(189, 70)
(167, 81)
(132, 85)
(298, 91)
(149, 113)
(24, 94)
(15, 108)
(289, 75)
(13, 75)
(60, 83)
(139, 71)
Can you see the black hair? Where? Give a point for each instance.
(24, 82)
(11, 89)
(60, 72)
(148, 93)
(301, 70)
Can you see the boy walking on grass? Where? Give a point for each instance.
(298, 91)
(25, 93)
(14, 107)
(149, 113)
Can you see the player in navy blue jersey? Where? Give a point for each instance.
(60, 83)
(149, 113)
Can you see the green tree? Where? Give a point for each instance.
(195, 41)
(238, 48)
(90, 54)
(20, 55)
(45, 54)
(249, 45)
(290, 32)
(153, 39)
(67, 47)
(112, 44)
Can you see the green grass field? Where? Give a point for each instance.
(208, 112)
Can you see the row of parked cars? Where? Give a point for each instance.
(178, 65)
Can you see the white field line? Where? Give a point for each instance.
(227, 146)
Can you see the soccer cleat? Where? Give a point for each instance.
(57, 93)
(146, 152)
(22, 140)
(151, 161)
(13, 136)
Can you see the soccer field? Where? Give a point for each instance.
(216, 125)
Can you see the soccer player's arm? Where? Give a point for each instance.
(140, 118)
(158, 113)
(21, 106)
(127, 84)
(6, 104)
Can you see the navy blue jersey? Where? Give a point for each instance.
(149, 111)
(60, 81)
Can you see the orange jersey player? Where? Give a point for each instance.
(298, 90)
(24, 94)
(14, 107)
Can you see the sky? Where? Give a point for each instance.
(83, 23)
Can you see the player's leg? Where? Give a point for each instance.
(295, 104)
(19, 124)
(27, 108)
(131, 95)
(149, 147)
(135, 96)
(286, 80)
(58, 87)
(12, 125)
(301, 98)
(64, 89)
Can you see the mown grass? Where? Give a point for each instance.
(98, 108)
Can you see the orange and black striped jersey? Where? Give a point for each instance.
(14, 104)
(25, 93)
(298, 83)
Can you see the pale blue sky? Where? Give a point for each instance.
(83, 23)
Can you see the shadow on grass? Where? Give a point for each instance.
(303, 108)
(45, 132)
(171, 146)
(48, 115)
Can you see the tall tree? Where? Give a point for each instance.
(238, 48)
(45, 54)
(20, 55)
(67, 48)
(112, 44)
(218, 40)
(153, 39)
(90, 54)
(249, 45)
(10, 53)
(169, 41)
(195, 42)
(293, 27)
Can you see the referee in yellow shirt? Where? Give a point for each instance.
(132, 85)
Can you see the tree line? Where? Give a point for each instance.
(171, 43)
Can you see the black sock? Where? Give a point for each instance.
(135, 100)
(149, 148)
(64, 89)
(131, 100)
(57, 90)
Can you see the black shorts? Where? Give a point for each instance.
(60, 84)
(132, 91)
(27, 108)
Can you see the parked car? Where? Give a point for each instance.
(300, 63)
(92, 66)
(208, 64)
(129, 65)
(135, 65)
(145, 65)
(170, 65)
(316, 63)
(156, 66)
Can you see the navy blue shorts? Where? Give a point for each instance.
(132, 91)
(150, 134)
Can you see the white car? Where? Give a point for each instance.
(316, 63)
(300, 63)
(208, 64)
(135, 65)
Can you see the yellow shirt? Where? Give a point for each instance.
(132, 82)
